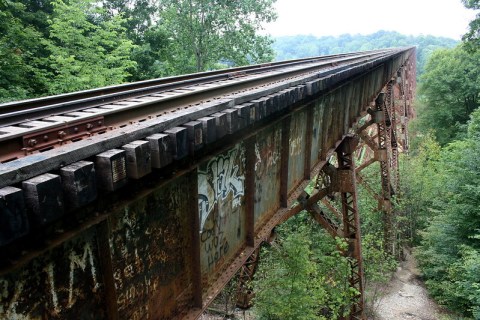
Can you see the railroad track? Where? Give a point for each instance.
(38, 125)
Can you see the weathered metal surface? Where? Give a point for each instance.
(317, 133)
(267, 173)
(221, 197)
(63, 283)
(187, 226)
(149, 242)
(297, 148)
(351, 225)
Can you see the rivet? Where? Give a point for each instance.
(32, 142)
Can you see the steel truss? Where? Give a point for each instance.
(383, 143)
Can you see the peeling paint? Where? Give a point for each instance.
(267, 173)
(297, 149)
(220, 179)
(221, 191)
(150, 240)
(60, 284)
(76, 261)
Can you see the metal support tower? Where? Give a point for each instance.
(342, 180)
(351, 221)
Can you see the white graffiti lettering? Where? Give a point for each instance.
(81, 262)
(221, 179)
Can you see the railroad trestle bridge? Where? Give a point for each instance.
(142, 201)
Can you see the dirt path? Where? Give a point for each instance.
(406, 296)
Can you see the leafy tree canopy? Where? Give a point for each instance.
(472, 37)
(21, 49)
(449, 92)
(207, 32)
(86, 50)
(291, 47)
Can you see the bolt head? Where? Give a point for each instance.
(32, 142)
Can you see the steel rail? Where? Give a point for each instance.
(135, 105)
(12, 112)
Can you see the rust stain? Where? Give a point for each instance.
(296, 164)
(221, 197)
(267, 173)
(149, 242)
(317, 133)
(64, 283)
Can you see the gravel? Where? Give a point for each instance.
(406, 297)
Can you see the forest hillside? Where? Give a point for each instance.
(300, 46)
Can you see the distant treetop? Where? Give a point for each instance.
(300, 46)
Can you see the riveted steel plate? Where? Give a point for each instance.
(63, 283)
(267, 173)
(221, 200)
(297, 149)
(150, 240)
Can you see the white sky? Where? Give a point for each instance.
(447, 18)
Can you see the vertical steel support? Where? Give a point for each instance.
(105, 256)
(244, 292)
(351, 222)
(308, 143)
(250, 190)
(285, 155)
(385, 205)
(195, 248)
(382, 146)
(393, 138)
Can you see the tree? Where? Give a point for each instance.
(150, 38)
(205, 33)
(151, 54)
(472, 37)
(86, 50)
(443, 190)
(21, 50)
(292, 47)
(302, 275)
(449, 92)
(138, 16)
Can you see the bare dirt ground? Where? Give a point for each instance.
(406, 297)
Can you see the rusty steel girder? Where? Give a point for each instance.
(351, 223)
(342, 180)
(178, 213)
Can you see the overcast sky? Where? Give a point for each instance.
(447, 18)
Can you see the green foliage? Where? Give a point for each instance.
(51, 47)
(205, 33)
(443, 190)
(21, 49)
(291, 47)
(422, 185)
(138, 16)
(150, 55)
(303, 275)
(449, 92)
(85, 53)
(472, 37)
(443, 178)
